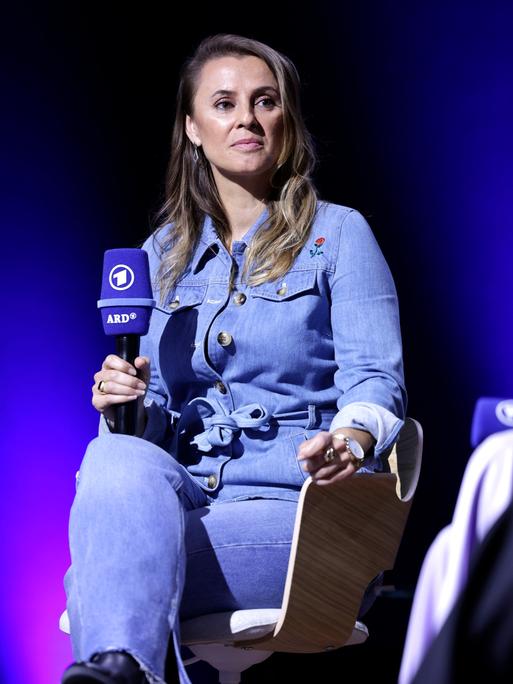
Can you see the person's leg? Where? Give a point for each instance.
(126, 533)
(237, 555)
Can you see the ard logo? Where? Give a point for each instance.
(504, 412)
(121, 318)
(121, 277)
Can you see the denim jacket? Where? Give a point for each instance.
(239, 378)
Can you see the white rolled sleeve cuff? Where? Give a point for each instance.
(383, 425)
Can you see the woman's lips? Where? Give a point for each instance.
(248, 145)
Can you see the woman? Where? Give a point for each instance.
(274, 355)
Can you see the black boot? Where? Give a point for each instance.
(110, 667)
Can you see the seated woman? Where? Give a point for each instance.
(274, 355)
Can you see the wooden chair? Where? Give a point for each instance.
(345, 534)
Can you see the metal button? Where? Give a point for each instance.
(282, 290)
(212, 481)
(224, 339)
(220, 386)
(239, 298)
(175, 303)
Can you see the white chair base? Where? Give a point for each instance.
(231, 661)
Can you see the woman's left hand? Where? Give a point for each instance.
(312, 455)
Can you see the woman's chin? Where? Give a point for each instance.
(246, 174)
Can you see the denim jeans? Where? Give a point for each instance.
(150, 547)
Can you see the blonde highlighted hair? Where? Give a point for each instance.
(191, 191)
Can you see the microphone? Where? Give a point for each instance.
(490, 415)
(126, 304)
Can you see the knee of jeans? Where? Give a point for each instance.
(120, 461)
(66, 580)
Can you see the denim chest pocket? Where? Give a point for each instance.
(292, 284)
(286, 311)
(185, 296)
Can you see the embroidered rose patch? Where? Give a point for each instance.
(316, 251)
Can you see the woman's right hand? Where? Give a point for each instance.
(120, 384)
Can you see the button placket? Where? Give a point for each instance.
(218, 293)
(219, 339)
(214, 358)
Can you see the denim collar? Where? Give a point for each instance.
(210, 241)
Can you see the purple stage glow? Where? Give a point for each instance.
(50, 357)
(52, 343)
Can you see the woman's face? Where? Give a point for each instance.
(237, 99)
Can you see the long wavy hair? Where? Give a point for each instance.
(191, 191)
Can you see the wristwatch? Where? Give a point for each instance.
(354, 449)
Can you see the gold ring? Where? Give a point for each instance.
(329, 454)
(100, 387)
(354, 461)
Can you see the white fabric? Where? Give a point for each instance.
(239, 624)
(383, 425)
(485, 493)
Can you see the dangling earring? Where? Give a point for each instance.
(195, 154)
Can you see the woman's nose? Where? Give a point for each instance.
(247, 116)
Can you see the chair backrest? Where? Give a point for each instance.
(491, 415)
(345, 534)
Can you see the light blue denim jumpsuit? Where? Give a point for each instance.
(239, 378)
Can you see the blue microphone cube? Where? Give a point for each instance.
(126, 297)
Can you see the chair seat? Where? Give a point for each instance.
(232, 626)
(64, 623)
(240, 625)
(229, 626)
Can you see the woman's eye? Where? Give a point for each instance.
(267, 102)
(220, 105)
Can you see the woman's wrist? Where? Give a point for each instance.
(364, 438)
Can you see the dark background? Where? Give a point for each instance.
(410, 105)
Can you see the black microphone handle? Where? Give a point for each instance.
(125, 421)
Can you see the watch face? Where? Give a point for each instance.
(356, 448)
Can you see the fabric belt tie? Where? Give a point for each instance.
(220, 427)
